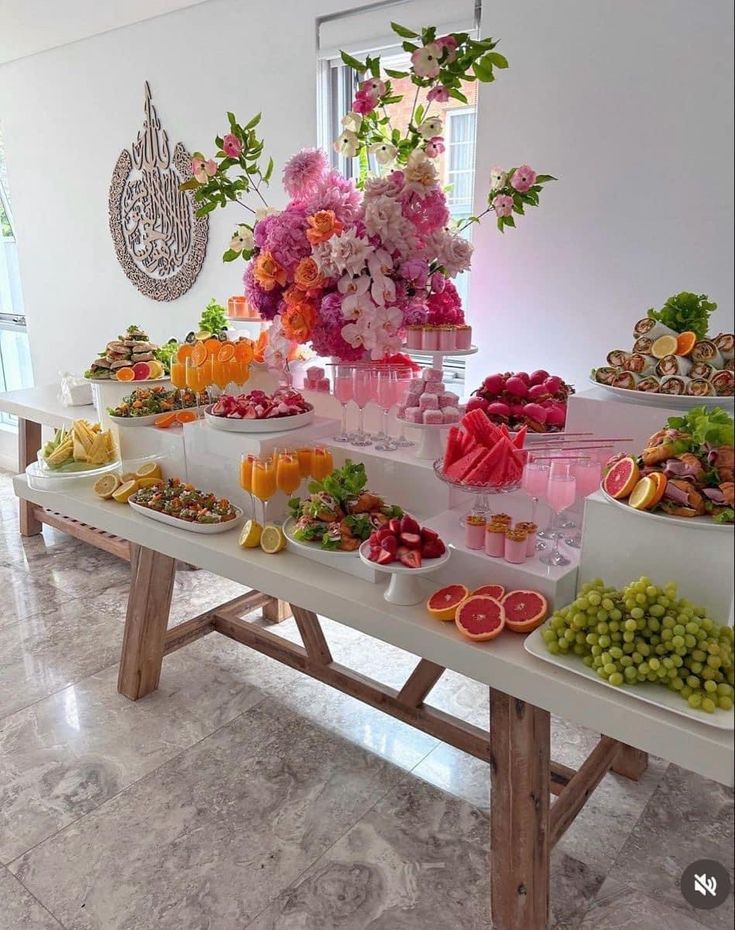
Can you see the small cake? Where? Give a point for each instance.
(323, 384)
(432, 374)
(314, 374)
(464, 337)
(429, 401)
(447, 337)
(449, 399)
(430, 338)
(414, 337)
(434, 417)
(413, 415)
(450, 414)
(416, 386)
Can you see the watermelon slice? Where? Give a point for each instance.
(519, 440)
(478, 475)
(489, 465)
(453, 452)
(477, 423)
(459, 469)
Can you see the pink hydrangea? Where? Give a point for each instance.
(260, 230)
(303, 172)
(503, 205)
(415, 312)
(415, 270)
(326, 336)
(523, 179)
(266, 303)
(337, 193)
(438, 282)
(445, 307)
(286, 239)
(427, 213)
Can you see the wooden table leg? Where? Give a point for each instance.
(29, 442)
(149, 602)
(630, 763)
(519, 813)
(276, 611)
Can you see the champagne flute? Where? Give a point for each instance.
(288, 473)
(321, 463)
(264, 483)
(560, 494)
(344, 392)
(534, 482)
(247, 463)
(588, 473)
(363, 388)
(386, 395)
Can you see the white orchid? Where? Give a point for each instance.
(348, 144)
(354, 290)
(384, 152)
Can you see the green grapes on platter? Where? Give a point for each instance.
(647, 633)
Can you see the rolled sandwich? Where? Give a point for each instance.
(627, 379)
(641, 364)
(724, 383)
(643, 344)
(698, 387)
(673, 365)
(606, 374)
(706, 351)
(652, 328)
(701, 370)
(725, 342)
(674, 384)
(650, 384)
(617, 358)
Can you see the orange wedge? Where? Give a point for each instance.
(244, 351)
(644, 494)
(185, 416)
(226, 352)
(661, 480)
(125, 374)
(685, 342)
(184, 352)
(165, 420)
(212, 346)
(199, 354)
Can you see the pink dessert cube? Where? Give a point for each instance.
(429, 401)
(416, 386)
(436, 387)
(323, 384)
(401, 412)
(448, 399)
(413, 415)
(450, 414)
(432, 374)
(412, 400)
(433, 416)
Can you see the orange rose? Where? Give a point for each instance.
(267, 272)
(297, 321)
(322, 226)
(306, 276)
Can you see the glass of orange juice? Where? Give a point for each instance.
(178, 375)
(288, 473)
(304, 457)
(264, 482)
(321, 463)
(247, 463)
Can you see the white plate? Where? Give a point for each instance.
(666, 401)
(273, 425)
(205, 528)
(404, 588)
(311, 547)
(162, 380)
(699, 523)
(648, 692)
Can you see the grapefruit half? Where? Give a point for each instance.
(524, 610)
(443, 603)
(480, 618)
(491, 590)
(622, 478)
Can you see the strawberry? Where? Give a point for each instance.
(408, 524)
(394, 525)
(385, 557)
(433, 549)
(390, 544)
(428, 533)
(384, 532)
(411, 540)
(411, 559)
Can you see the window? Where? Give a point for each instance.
(15, 360)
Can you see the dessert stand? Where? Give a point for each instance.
(404, 588)
(482, 493)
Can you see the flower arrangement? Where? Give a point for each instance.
(347, 266)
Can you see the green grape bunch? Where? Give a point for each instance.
(646, 633)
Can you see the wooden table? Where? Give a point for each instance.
(523, 691)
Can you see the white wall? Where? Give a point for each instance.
(629, 103)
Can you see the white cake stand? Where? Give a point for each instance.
(404, 589)
(431, 442)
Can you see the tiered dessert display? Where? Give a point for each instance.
(672, 359)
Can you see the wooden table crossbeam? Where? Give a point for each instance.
(99, 538)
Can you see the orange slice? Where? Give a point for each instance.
(185, 416)
(125, 374)
(244, 351)
(212, 346)
(184, 352)
(199, 354)
(661, 481)
(644, 494)
(685, 342)
(165, 420)
(225, 352)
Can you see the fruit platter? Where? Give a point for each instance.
(672, 362)
(182, 505)
(339, 514)
(483, 614)
(646, 640)
(131, 357)
(535, 402)
(83, 447)
(260, 412)
(685, 472)
(145, 405)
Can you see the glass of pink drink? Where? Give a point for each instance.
(560, 494)
(344, 393)
(386, 396)
(404, 377)
(588, 474)
(534, 483)
(363, 394)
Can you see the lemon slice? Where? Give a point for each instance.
(643, 494)
(148, 482)
(251, 534)
(128, 476)
(125, 491)
(149, 470)
(664, 345)
(106, 485)
(156, 369)
(272, 539)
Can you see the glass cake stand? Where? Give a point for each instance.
(483, 493)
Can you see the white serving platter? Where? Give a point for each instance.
(648, 692)
(404, 588)
(299, 545)
(699, 523)
(149, 420)
(47, 479)
(665, 401)
(207, 529)
(273, 425)
(161, 380)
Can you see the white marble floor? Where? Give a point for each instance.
(241, 796)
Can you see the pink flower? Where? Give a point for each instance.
(438, 93)
(523, 179)
(286, 237)
(364, 103)
(427, 213)
(203, 170)
(231, 146)
(415, 270)
(266, 303)
(434, 147)
(445, 307)
(438, 282)
(373, 87)
(336, 193)
(503, 205)
(449, 43)
(415, 311)
(303, 172)
(425, 60)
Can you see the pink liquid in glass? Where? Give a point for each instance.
(343, 388)
(386, 390)
(560, 493)
(535, 479)
(363, 388)
(588, 475)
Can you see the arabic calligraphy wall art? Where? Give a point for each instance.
(159, 242)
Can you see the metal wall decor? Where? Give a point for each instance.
(159, 242)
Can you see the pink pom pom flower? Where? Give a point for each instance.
(303, 173)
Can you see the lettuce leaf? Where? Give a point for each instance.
(343, 483)
(686, 312)
(725, 516)
(360, 525)
(713, 426)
